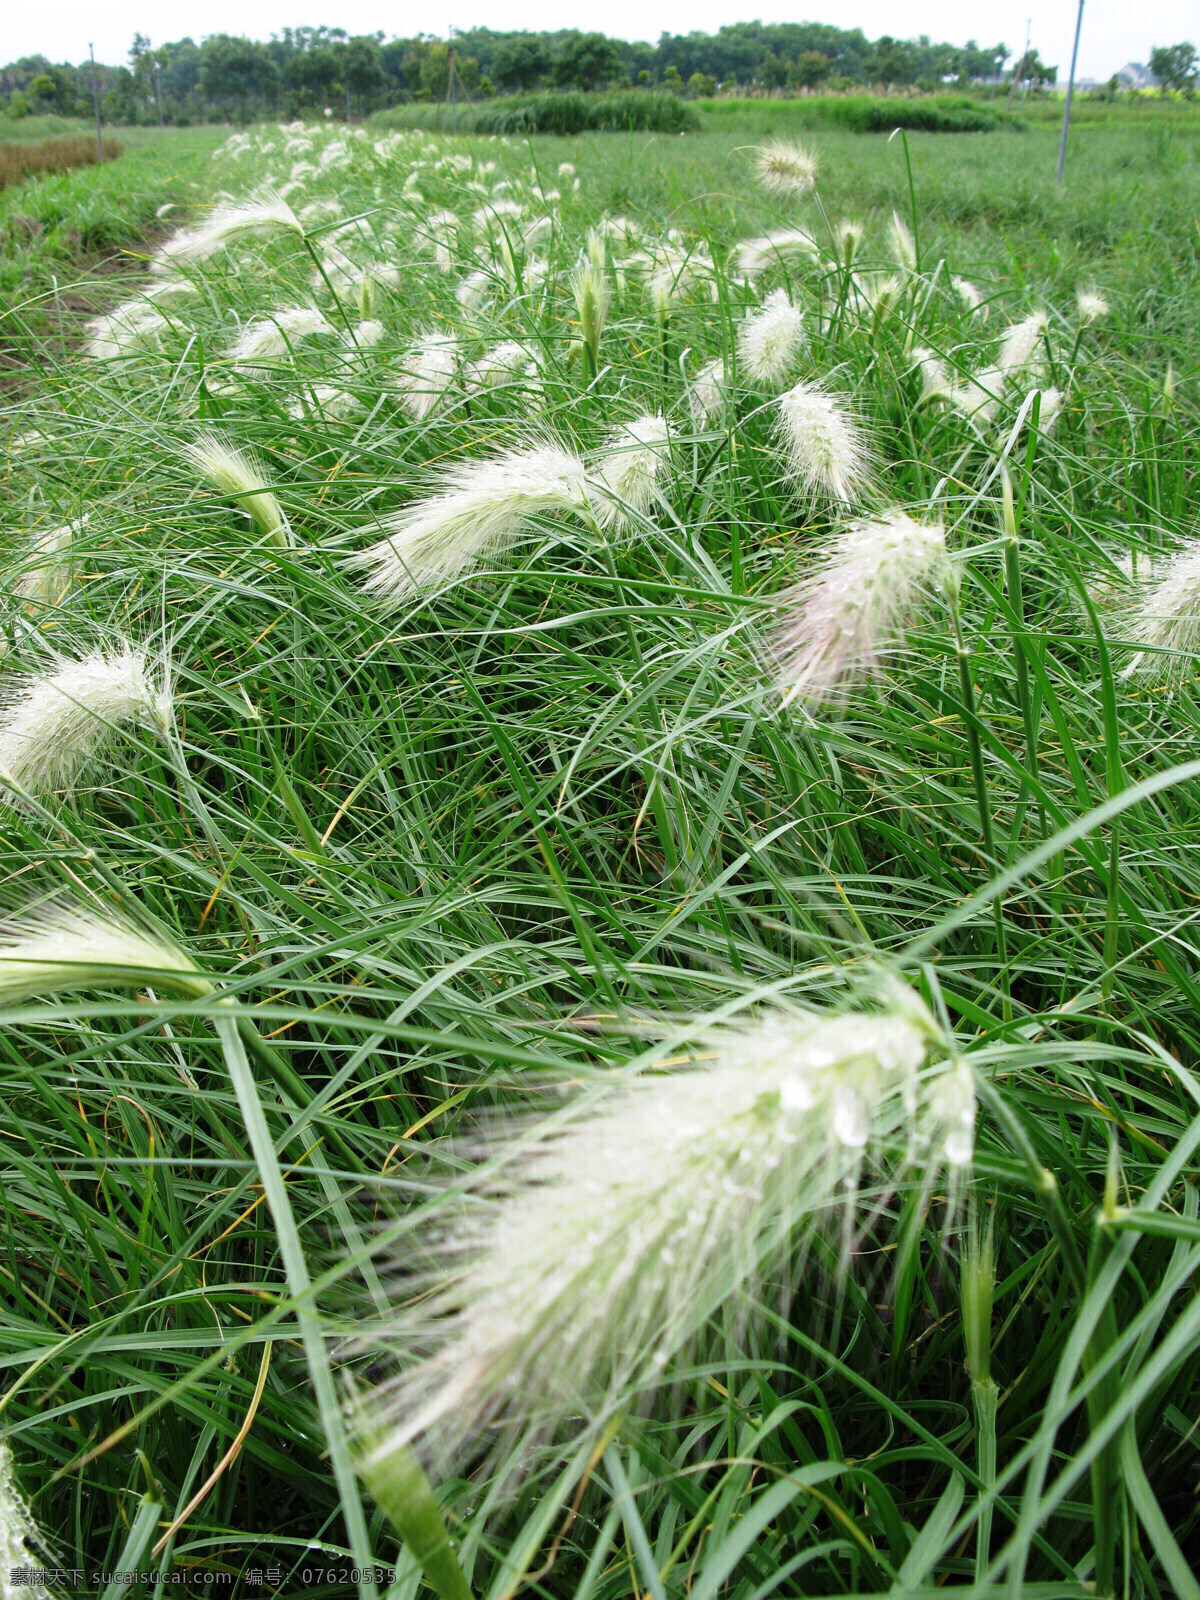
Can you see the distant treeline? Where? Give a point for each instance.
(313, 69)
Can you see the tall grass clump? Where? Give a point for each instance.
(598, 965)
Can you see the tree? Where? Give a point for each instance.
(362, 70)
(521, 62)
(586, 61)
(315, 71)
(701, 86)
(810, 69)
(237, 73)
(975, 63)
(1032, 69)
(892, 61)
(1174, 66)
(772, 72)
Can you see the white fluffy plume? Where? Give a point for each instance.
(429, 368)
(707, 393)
(769, 340)
(626, 476)
(121, 332)
(785, 167)
(1021, 345)
(597, 1243)
(825, 446)
(53, 725)
(21, 1544)
(46, 570)
(772, 249)
(61, 945)
(268, 338)
(239, 473)
(1165, 616)
(838, 622)
(483, 507)
(268, 213)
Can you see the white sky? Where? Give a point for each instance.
(1114, 31)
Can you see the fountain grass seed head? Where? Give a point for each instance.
(979, 397)
(506, 363)
(769, 340)
(708, 393)
(46, 571)
(625, 479)
(124, 331)
(785, 167)
(1164, 615)
(936, 382)
(268, 338)
(753, 256)
(22, 1547)
(55, 724)
(597, 1243)
(268, 213)
(61, 945)
(482, 507)
(849, 236)
(429, 369)
(1091, 306)
(240, 474)
(901, 243)
(841, 619)
(590, 288)
(1021, 346)
(825, 446)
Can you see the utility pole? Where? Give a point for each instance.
(1012, 88)
(96, 103)
(1062, 149)
(452, 87)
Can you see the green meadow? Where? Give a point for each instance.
(622, 1023)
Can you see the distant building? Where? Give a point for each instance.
(1133, 75)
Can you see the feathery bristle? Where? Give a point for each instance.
(504, 363)
(120, 332)
(22, 1548)
(849, 236)
(1091, 306)
(785, 167)
(825, 445)
(626, 476)
(484, 506)
(269, 212)
(239, 474)
(707, 393)
(54, 725)
(936, 382)
(842, 619)
(1165, 617)
(58, 945)
(901, 243)
(47, 567)
(430, 366)
(769, 340)
(267, 338)
(590, 287)
(597, 1244)
(774, 249)
(1021, 342)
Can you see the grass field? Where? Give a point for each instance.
(749, 1102)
